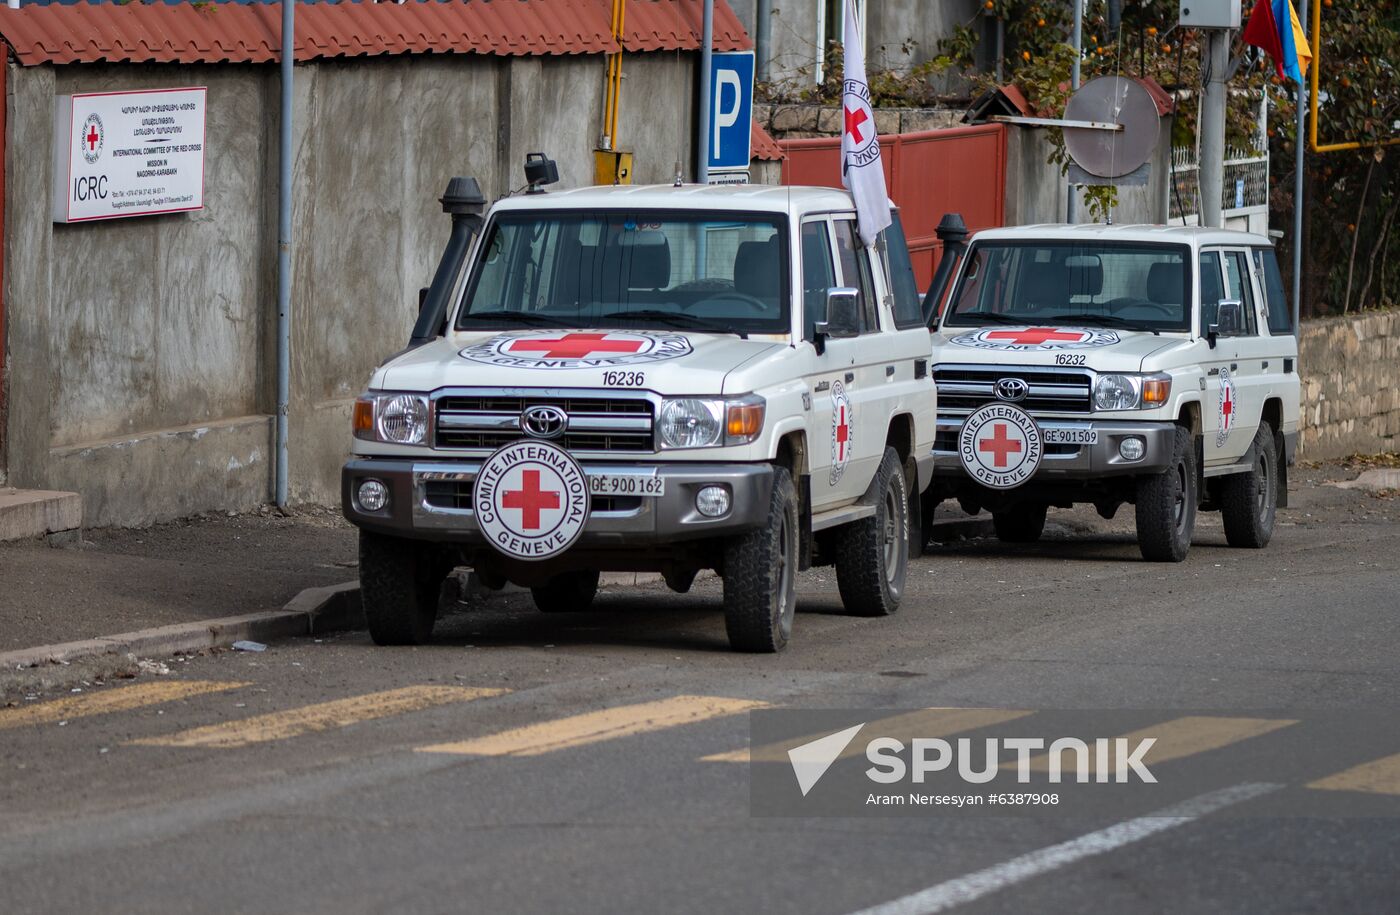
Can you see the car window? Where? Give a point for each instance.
(855, 271)
(908, 306)
(818, 273)
(1139, 285)
(1212, 289)
(628, 269)
(1240, 289)
(1275, 301)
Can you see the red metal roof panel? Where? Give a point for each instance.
(250, 33)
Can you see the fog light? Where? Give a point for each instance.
(712, 501)
(1132, 448)
(373, 495)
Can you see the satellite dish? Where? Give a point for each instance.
(1107, 153)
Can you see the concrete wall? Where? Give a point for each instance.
(1350, 368)
(142, 351)
(1036, 192)
(900, 33)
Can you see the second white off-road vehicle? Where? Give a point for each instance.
(1127, 364)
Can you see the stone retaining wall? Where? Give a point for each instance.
(1350, 369)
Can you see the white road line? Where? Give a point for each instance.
(965, 889)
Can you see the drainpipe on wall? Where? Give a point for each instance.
(284, 250)
(1298, 164)
(702, 121)
(762, 39)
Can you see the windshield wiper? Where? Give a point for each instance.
(675, 319)
(527, 318)
(1104, 321)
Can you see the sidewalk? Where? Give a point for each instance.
(180, 572)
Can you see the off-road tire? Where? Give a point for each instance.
(1022, 523)
(872, 554)
(400, 582)
(1166, 504)
(1249, 501)
(567, 592)
(760, 571)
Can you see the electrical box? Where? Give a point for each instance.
(612, 166)
(1210, 14)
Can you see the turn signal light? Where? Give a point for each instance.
(744, 420)
(363, 422)
(1156, 391)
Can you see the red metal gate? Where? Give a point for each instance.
(929, 173)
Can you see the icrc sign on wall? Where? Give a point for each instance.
(119, 154)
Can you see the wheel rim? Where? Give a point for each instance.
(1179, 505)
(1261, 477)
(787, 603)
(892, 537)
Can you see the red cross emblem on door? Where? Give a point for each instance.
(843, 433)
(574, 346)
(1227, 406)
(1035, 336)
(1000, 445)
(530, 499)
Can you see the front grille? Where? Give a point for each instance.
(458, 494)
(487, 421)
(962, 389)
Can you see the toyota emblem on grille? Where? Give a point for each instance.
(1012, 389)
(544, 422)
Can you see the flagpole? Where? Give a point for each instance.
(1298, 155)
(707, 40)
(1077, 40)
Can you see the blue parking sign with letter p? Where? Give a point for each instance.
(731, 109)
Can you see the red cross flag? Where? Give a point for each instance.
(861, 170)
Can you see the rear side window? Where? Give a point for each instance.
(1275, 302)
(908, 307)
(1241, 289)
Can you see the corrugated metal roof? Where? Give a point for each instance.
(250, 33)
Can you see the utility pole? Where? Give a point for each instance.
(1298, 164)
(1077, 40)
(1214, 75)
(707, 42)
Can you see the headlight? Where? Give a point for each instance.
(400, 419)
(1131, 391)
(700, 422)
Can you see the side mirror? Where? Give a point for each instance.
(842, 313)
(1229, 318)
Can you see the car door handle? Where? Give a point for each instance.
(1234, 367)
(889, 371)
(850, 376)
(1266, 363)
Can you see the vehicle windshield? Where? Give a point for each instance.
(715, 272)
(1141, 286)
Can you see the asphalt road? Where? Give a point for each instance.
(536, 763)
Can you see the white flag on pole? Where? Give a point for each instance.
(861, 170)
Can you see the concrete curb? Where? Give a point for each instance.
(313, 611)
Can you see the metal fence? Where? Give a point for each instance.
(1245, 190)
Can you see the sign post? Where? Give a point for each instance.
(120, 154)
(731, 116)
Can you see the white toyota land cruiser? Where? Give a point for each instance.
(1111, 364)
(658, 379)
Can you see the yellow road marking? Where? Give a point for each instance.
(592, 727)
(322, 716)
(934, 722)
(118, 699)
(1379, 776)
(1176, 739)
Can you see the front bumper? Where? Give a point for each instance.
(619, 522)
(1073, 462)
